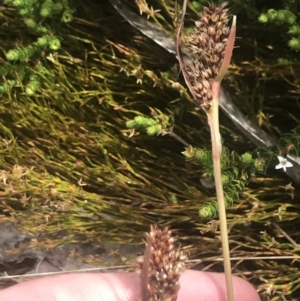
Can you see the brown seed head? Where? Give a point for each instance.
(207, 44)
(165, 265)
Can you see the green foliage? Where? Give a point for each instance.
(50, 8)
(160, 124)
(32, 24)
(33, 85)
(198, 155)
(35, 14)
(196, 5)
(22, 54)
(284, 16)
(236, 171)
(67, 15)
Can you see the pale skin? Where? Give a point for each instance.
(195, 286)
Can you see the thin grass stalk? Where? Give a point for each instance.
(213, 121)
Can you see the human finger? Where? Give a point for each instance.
(195, 286)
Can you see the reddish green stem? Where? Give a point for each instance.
(213, 121)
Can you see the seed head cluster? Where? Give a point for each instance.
(207, 45)
(164, 267)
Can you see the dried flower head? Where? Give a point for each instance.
(161, 267)
(207, 45)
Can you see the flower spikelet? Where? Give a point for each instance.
(161, 266)
(207, 44)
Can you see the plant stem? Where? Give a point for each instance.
(213, 121)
